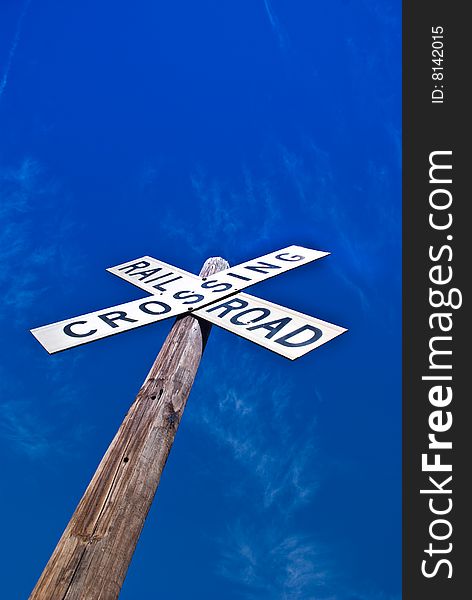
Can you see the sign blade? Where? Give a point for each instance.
(228, 314)
(277, 328)
(174, 292)
(156, 276)
(99, 324)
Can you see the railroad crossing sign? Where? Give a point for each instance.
(216, 299)
(92, 556)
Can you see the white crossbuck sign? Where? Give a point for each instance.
(216, 298)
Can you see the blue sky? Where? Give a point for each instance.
(185, 130)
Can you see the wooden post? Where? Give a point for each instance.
(91, 558)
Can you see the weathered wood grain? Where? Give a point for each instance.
(92, 556)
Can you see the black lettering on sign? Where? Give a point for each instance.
(119, 315)
(289, 257)
(144, 274)
(142, 264)
(234, 304)
(272, 326)
(236, 318)
(215, 286)
(315, 335)
(238, 276)
(145, 307)
(191, 297)
(261, 267)
(68, 330)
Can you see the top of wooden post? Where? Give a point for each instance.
(213, 265)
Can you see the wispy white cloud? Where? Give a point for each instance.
(33, 246)
(260, 195)
(270, 446)
(25, 425)
(267, 561)
(27, 432)
(260, 429)
(33, 236)
(264, 563)
(303, 177)
(279, 31)
(318, 195)
(22, 430)
(226, 214)
(13, 47)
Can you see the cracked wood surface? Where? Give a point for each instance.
(92, 556)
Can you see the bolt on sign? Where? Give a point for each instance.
(217, 299)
